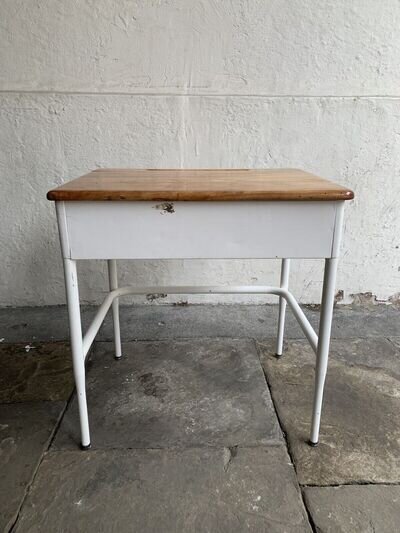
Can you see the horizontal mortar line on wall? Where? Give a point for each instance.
(201, 95)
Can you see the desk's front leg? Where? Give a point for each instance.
(75, 327)
(78, 359)
(324, 336)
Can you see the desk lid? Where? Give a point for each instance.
(200, 185)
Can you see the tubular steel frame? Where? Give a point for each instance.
(80, 345)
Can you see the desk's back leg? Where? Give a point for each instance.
(113, 280)
(324, 337)
(285, 268)
(78, 360)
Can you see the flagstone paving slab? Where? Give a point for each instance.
(191, 491)
(360, 428)
(175, 393)
(25, 433)
(355, 509)
(35, 371)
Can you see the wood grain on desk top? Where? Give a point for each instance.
(199, 185)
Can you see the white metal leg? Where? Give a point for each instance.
(113, 280)
(285, 269)
(328, 296)
(78, 359)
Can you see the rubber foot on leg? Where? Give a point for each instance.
(313, 444)
(85, 446)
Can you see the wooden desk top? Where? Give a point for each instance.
(199, 185)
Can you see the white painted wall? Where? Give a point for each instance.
(198, 83)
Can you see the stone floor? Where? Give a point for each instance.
(199, 428)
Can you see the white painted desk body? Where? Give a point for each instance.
(199, 214)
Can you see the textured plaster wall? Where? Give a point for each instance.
(198, 83)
